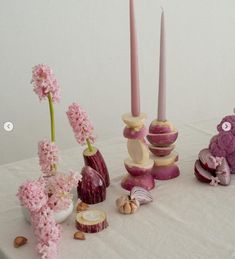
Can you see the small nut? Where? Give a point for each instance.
(20, 241)
(79, 235)
(82, 206)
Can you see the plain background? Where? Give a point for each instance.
(86, 42)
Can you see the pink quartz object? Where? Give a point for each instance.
(213, 170)
(161, 151)
(139, 164)
(91, 189)
(131, 133)
(223, 173)
(223, 144)
(162, 139)
(138, 169)
(218, 161)
(145, 181)
(162, 136)
(95, 160)
(160, 127)
(208, 161)
(165, 172)
(202, 174)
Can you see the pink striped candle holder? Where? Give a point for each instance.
(139, 165)
(162, 136)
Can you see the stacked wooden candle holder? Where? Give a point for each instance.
(139, 165)
(162, 136)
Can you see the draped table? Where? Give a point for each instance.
(187, 219)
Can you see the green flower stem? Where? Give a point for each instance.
(89, 145)
(52, 116)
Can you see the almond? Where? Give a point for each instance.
(82, 206)
(79, 235)
(20, 241)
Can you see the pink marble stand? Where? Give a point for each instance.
(139, 165)
(162, 136)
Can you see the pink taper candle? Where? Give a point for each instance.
(162, 74)
(135, 92)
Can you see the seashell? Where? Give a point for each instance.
(126, 205)
(141, 195)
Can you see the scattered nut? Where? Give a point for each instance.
(79, 235)
(82, 206)
(20, 241)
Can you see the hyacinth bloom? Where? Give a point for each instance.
(48, 156)
(32, 196)
(45, 83)
(47, 232)
(82, 126)
(59, 188)
(46, 86)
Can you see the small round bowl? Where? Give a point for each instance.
(161, 151)
(162, 140)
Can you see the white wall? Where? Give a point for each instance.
(86, 42)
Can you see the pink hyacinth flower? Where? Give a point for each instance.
(60, 187)
(44, 82)
(82, 126)
(32, 195)
(47, 232)
(48, 155)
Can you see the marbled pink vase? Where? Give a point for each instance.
(162, 136)
(138, 165)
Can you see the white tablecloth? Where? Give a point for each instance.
(187, 219)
